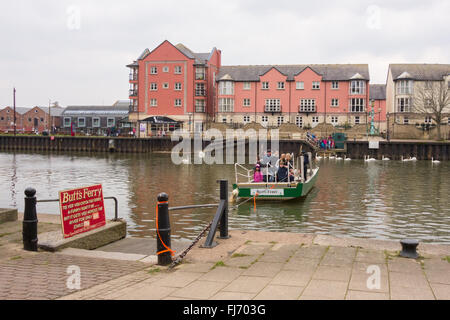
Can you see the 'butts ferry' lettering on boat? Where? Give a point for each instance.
(267, 192)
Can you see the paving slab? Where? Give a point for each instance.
(326, 288)
(278, 292)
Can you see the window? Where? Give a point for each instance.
(357, 104)
(428, 119)
(246, 119)
(264, 119)
(272, 105)
(247, 86)
(299, 121)
(154, 70)
(110, 122)
(81, 122)
(153, 86)
(335, 102)
(178, 86)
(357, 87)
(405, 120)
(280, 120)
(2, 118)
(404, 87)
(200, 105)
(165, 69)
(315, 120)
(357, 120)
(246, 102)
(199, 73)
(95, 122)
(153, 102)
(42, 119)
(226, 87)
(226, 105)
(299, 85)
(403, 104)
(165, 85)
(280, 85)
(428, 85)
(265, 86)
(67, 121)
(334, 84)
(307, 105)
(334, 120)
(177, 102)
(200, 89)
(316, 85)
(224, 120)
(177, 70)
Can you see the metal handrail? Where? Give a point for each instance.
(194, 206)
(116, 210)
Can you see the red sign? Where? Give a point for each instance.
(82, 209)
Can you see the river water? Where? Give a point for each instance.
(379, 200)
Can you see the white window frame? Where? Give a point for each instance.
(200, 105)
(178, 86)
(357, 87)
(299, 85)
(226, 87)
(299, 121)
(246, 102)
(65, 122)
(153, 102)
(404, 86)
(108, 124)
(165, 85)
(272, 105)
(334, 102)
(405, 120)
(246, 119)
(265, 85)
(280, 120)
(334, 120)
(84, 122)
(200, 73)
(154, 70)
(316, 85)
(165, 69)
(226, 105)
(200, 89)
(177, 70)
(428, 119)
(178, 102)
(93, 122)
(335, 85)
(307, 105)
(247, 85)
(280, 85)
(153, 86)
(403, 104)
(357, 120)
(264, 118)
(357, 104)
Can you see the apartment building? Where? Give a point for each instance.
(377, 97)
(172, 82)
(408, 91)
(305, 95)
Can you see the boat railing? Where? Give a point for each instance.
(238, 174)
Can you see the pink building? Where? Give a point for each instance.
(302, 94)
(378, 97)
(176, 83)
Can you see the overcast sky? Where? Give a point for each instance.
(75, 52)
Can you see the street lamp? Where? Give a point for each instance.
(387, 130)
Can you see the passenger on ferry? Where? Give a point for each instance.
(257, 175)
(291, 175)
(268, 163)
(282, 174)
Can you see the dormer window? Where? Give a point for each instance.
(226, 87)
(404, 86)
(357, 87)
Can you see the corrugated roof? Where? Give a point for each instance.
(420, 71)
(377, 92)
(329, 72)
(96, 110)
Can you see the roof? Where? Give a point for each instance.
(121, 103)
(119, 111)
(160, 119)
(417, 71)
(56, 111)
(377, 92)
(329, 72)
(200, 58)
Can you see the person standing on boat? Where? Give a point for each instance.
(269, 162)
(282, 173)
(257, 175)
(305, 165)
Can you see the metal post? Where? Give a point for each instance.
(224, 218)
(163, 231)
(30, 221)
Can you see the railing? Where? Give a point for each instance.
(200, 92)
(133, 93)
(306, 110)
(272, 109)
(133, 76)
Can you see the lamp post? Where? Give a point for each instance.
(14, 104)
(49, 117)
(387, 130)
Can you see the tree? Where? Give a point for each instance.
(433, 99)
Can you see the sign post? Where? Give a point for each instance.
(81, 209)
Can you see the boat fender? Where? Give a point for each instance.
(234, 195)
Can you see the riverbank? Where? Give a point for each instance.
(249, 265)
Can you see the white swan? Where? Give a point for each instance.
(331, 157)
(338, 158)
(318, 157)
(367, 159)
(434, 161)
(346, 159)
(404, 160)
(412, 159)
(385, 159)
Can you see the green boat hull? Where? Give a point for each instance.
(276, 191)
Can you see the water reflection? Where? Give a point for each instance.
(383, 199)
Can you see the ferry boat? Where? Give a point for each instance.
(299, 187)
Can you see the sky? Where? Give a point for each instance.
(75, 52)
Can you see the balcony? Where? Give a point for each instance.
(133, 93)
(133, 76)
(272, 109)
(200, 92)
(307, 110)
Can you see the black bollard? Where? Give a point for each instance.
(224, 218)
(30, 221)
(163, 231)
(409, 248)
